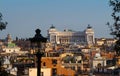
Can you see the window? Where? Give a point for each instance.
(79, 61)
(44, 64)
(54, 61)
(73, 67)
(54, 72)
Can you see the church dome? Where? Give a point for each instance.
(97, 55)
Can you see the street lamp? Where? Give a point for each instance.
(37, 42)
(91, 63)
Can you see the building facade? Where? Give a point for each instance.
(71, 37)
(44, 72)
(105, 41)
(57, 69)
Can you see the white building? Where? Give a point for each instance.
(11, 50)
(13, 71)
(70, 37)
(44, 72)
(99, 62)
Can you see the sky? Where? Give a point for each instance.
(24, 16)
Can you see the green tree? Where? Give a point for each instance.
(2, 70)
(2, 24)
(115, 27)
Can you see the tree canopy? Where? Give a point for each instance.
(2, 70)
(115, 27)
(2, 24)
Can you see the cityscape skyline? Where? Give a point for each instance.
(25, 16)
(59, 37)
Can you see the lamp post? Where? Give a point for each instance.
(91, 63)
(37, 41)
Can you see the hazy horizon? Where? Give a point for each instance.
(24, 16)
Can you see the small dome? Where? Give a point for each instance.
(89, 27)
(97, 55)
(52, 27)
